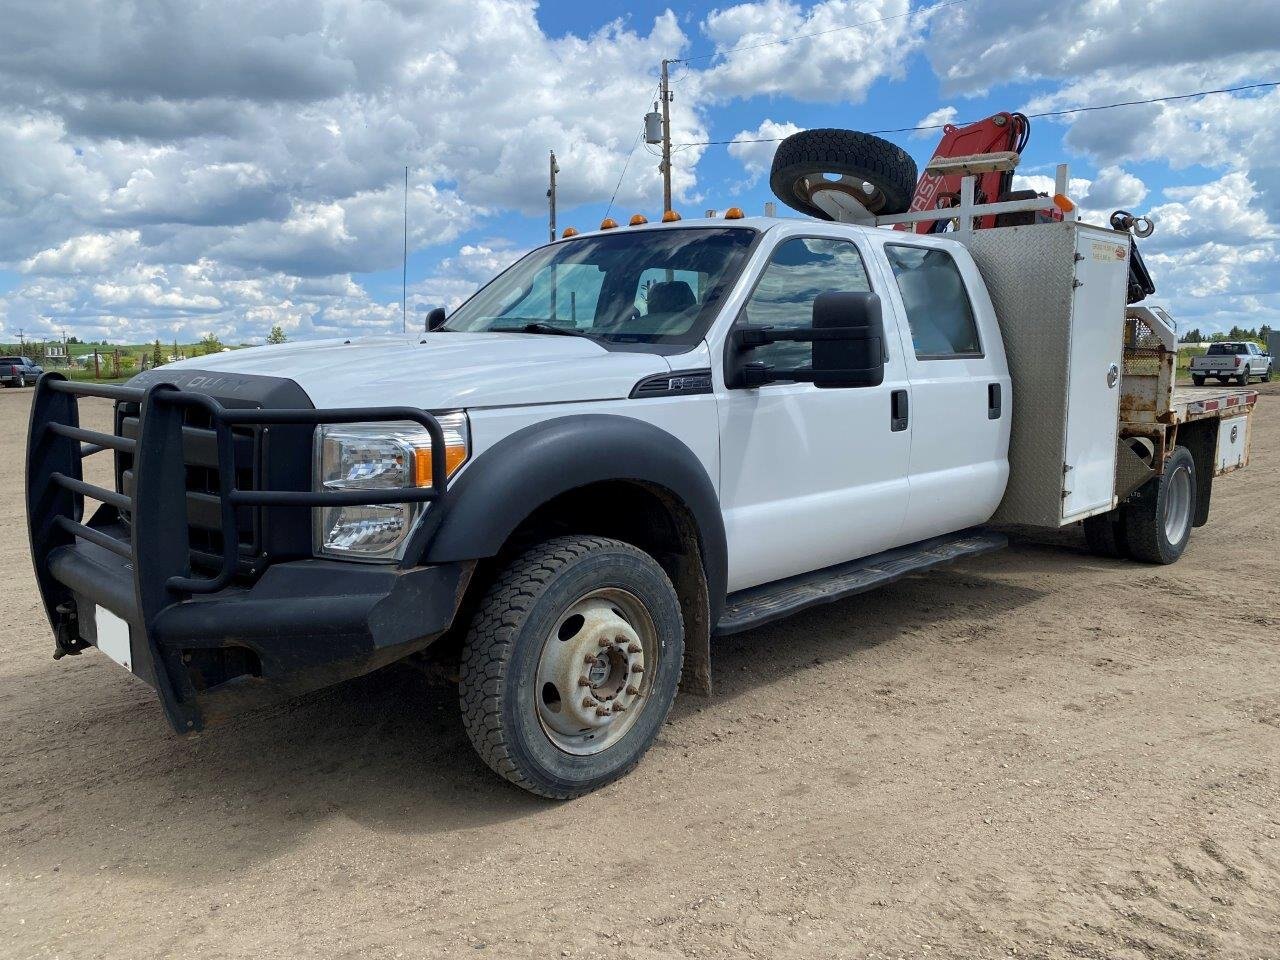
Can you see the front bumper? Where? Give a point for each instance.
(213, 644)
(302, 626)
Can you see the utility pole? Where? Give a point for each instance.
(551, 193)
(404, 272)
(666, 139)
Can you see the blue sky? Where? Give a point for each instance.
(170, 169)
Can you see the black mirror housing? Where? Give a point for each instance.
(848, 343)
(435, 318)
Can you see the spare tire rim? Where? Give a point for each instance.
(865, 194)
(1177, 505)
(595, 671)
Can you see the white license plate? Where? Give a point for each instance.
(113, 637)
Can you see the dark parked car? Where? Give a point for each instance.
(18, 372)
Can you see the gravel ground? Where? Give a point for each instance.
(1034, 753)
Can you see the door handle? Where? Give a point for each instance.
(993, 401)
(898, 411)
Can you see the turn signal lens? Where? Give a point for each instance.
(638, 219)
(608, 223)
(670, 217)
(453, 458)
(569, 232)
(734, 213)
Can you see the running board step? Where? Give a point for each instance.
(773, 601)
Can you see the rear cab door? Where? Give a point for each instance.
(960, 384)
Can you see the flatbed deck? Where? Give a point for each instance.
(1197, 403)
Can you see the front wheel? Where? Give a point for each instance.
(1158, 519)
(1266, 375)
(571, 665)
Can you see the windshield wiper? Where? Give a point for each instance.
(541, 327)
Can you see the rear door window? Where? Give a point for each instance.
(938, 308)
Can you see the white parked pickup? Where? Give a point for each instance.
(1240, 361)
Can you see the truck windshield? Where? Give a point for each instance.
(1219, 349)
(642, 286)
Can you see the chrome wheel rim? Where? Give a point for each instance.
(1177, 505)
(595, 670)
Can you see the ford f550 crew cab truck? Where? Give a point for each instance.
(627, 443)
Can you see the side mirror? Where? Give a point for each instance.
(435, 318)
(848, 346)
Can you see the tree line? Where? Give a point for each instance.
(1235, 333)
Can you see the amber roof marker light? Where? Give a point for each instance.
(638, 219)
(569, 232)
(608, 223)
(734, 213)
(670, 217)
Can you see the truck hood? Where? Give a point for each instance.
(440, 371)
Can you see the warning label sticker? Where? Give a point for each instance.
(1108, 252)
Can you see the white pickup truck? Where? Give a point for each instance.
(627, 443)
(1240, 361)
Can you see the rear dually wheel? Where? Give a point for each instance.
(1159, 517)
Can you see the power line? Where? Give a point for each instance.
(618, 186)
(820, 33)
(1030, 116)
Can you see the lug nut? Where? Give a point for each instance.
(637, 668)
(605, 641)
(588, 659)
(619, 708)
(633, 648)
(602, 711)
(633, 690)
(584, 681)
(588, 702)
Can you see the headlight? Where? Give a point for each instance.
(376, 456)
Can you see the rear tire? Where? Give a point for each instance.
(1243, 377)
(1159, 517)
(1105, 534)
(537, 712)
(1198, 381)
(803, 158)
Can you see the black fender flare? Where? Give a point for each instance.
(526, 469)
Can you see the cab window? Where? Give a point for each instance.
(937, 303)
(799, 270)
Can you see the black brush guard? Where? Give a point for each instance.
(157, 552)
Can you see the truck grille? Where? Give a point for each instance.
(204, 493)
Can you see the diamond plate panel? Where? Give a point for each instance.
(1029, 272)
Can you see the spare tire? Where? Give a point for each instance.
(880, 174)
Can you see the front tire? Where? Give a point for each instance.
(1159, 518)
(571, 665)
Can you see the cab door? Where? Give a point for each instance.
(811, 477)
(960, 388)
